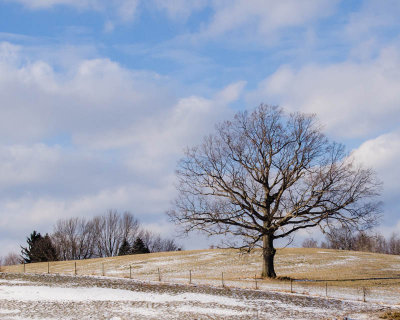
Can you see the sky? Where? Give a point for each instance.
(98, 98)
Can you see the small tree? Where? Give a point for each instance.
(10, 259)
(309, 243)
(39, 249)
(341, 238)
(394, 244)
(264, 175)
(139, 247)
(125, 248)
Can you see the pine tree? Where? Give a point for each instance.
(28, 252)
(139, 247)
(47, 250)
(125, 248)
(39, 249)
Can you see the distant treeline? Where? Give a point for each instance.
(105, 235)
(347, 239)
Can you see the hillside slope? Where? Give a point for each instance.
(240, 270)
(32, 296)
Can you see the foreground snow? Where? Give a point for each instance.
(66, 297)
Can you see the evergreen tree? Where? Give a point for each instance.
(139, 247)
(39, 249)
(28, 252)
(125, 248)
(47, 250)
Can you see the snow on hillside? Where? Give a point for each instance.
(206, 267)
(66, 297)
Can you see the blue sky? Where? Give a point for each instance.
(99, 98)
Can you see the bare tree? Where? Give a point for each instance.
(130, 227)
(10, 259)
(74, 239)
(380, 244)
(112, 229)
(264, 175)
(394, 244)
(309, 243)
(156, 243)
(341, 238)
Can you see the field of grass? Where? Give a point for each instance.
(240, 270)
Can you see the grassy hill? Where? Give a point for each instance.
(240, 270)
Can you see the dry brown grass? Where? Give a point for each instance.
(391, 315)
(208, 265)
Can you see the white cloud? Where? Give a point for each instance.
(109, 26)
(264, 17)
(371, 17)
(121, 10)
(383, 155)
(259, 17)
(352, 98)
(91, 136)
(126, 9)
(44, 4)
(90, 96)
(179, 10)
(21, 165)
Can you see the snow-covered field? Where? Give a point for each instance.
(241, 271)
(66, 297)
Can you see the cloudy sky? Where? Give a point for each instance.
(99, 97)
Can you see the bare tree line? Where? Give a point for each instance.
(102, 236)
(347, 239)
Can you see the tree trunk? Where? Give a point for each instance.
(268, 256)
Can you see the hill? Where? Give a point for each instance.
(49, 296)
(229, 267)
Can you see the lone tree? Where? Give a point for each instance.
(264, 175)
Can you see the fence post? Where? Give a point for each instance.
(75, 273)
(364, 292)
(222, 278)
(24, 268)
(102, 269)
(291, 285)
(326, 289)
(48, 266)
(159, 274)
(190, 276)
(255, 279)
(130, 272)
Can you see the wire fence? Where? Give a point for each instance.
(373, 289)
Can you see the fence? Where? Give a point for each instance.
(377, 289)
